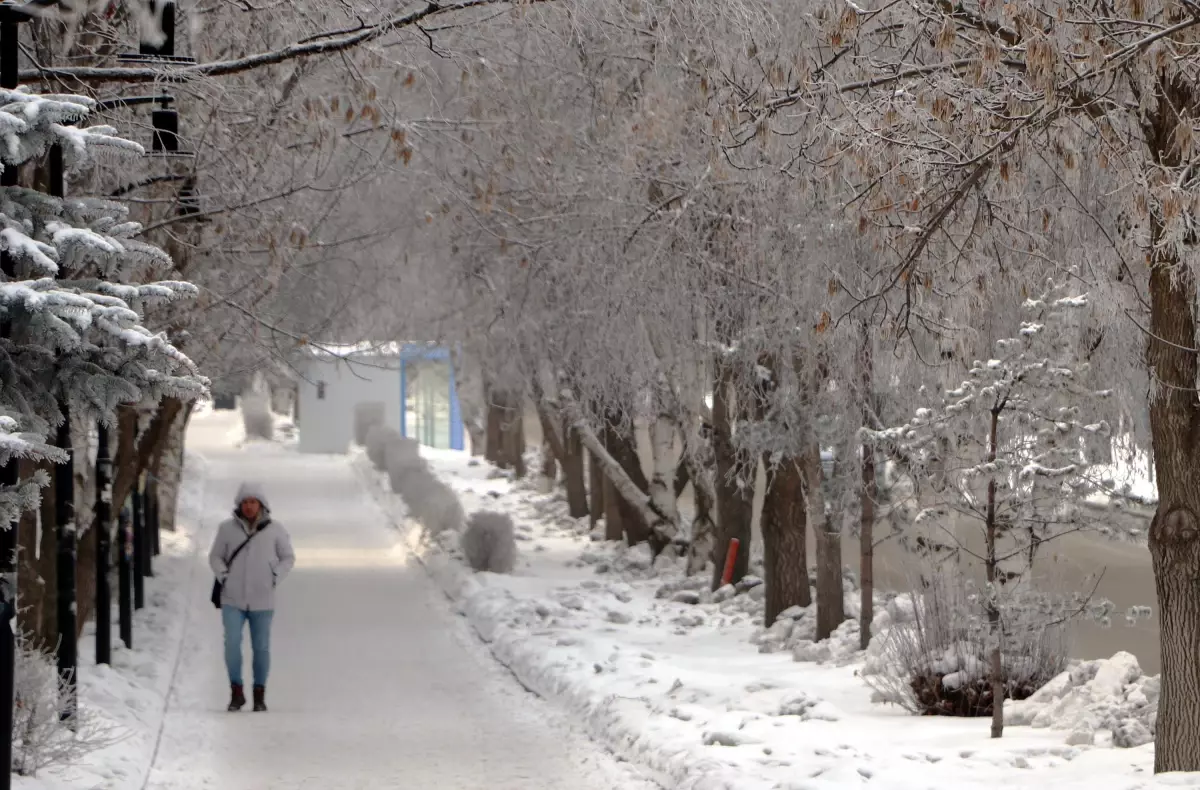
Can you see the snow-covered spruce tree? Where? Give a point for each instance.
(73, 329)
(1005, 453)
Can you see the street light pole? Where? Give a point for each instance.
(104, 495)
(139, 547)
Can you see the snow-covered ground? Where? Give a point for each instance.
(680, 689)
(128, 698)
(375, 684)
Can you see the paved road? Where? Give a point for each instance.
(376, 684)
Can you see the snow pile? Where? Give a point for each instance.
(1096, 700)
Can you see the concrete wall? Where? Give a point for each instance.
(326, 425)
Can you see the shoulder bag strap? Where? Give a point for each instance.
(238, 550)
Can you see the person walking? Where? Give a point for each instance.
(251, 556)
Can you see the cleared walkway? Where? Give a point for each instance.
(375, 683)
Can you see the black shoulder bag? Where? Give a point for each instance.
(216, 588)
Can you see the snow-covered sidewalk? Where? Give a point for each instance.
(679, 688)
(374, 685)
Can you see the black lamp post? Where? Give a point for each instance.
(125, 576)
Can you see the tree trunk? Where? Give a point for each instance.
(553, 451)
(831, 604)
(494, 440)
(1175, 529)
(170, 471)
(992, 605)
(785, 539)
(37, 565)
(703, 531)
(597, 490)
(573, 478)
(866, 537)
(735, 495)
(85, 500)
(866, 501)
(614, 517)
(506, 432)
(478, 433)
(549, 470)
(661, 485)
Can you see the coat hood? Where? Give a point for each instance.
(251, 490)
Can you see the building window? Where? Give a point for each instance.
(320, 390)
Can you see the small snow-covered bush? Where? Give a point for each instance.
(404, 462)
(366, 416)
(257, 419)
(437, 508)
(489, 543)
(935, 660)
(40, 738)
(378, 438)
(414, 484)
(401, 451)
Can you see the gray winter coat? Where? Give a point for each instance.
(250, 583)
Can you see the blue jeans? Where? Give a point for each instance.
(260, 642)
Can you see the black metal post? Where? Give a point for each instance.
(104, 494)
(142, 508)
(125, 576)
(139, 548)
(64, 514)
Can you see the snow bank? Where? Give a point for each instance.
(1106, 700)
(686, 683)
(129, 697)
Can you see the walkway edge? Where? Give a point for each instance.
(199, 540)
(601, 716)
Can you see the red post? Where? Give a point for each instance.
(730, 558)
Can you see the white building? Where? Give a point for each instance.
(415, 382)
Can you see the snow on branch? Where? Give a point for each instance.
(327, 45)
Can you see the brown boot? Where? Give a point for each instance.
(260, 699)
(237, 700)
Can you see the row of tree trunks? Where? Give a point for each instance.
(131, 459)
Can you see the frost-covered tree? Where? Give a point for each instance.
(73, 335)
(1010, 453)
